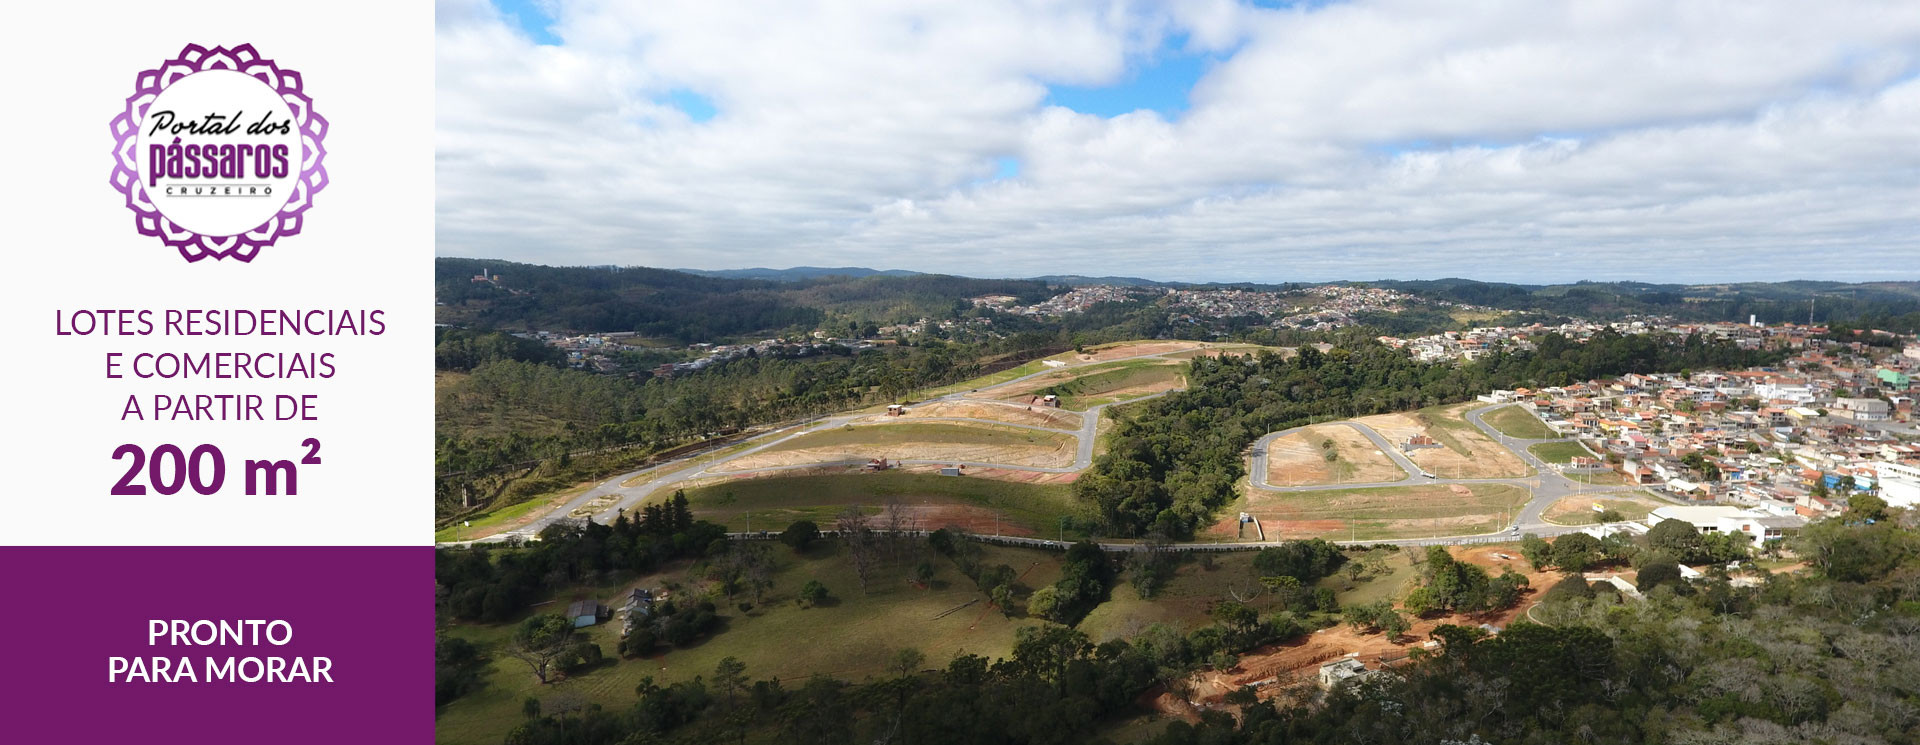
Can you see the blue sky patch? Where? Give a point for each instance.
(697, 107)
(1159, 83)
(530, 18)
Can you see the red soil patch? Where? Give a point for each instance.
(1135, 350)
(976, 520)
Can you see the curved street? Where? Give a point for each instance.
(611, 496)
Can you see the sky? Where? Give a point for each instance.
(1528, 141)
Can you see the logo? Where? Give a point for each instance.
(218, 153)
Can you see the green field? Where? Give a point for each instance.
(1238, 349)
(489, 523)
(1085, 387)
(849, 638)
(1578, 510)
(993, 379)
(1385, 512)
(1514, 421)
(947, 433)
(776, 501)
(1559, 452)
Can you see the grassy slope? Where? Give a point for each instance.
(488, 523)
(1373, 511)
(774, 639)
(864, 628)
(1449, 426)
(1559, 452)
(1514, 421)
(1631, 509)
(953, 433)
(778, 501)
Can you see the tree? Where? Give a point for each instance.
(730, 676)
(1456, 640)
(1675, 538)
(800, 535)
(639, 642)
(1866, 507)
(539, 642)
(1043, 602)
(812, 593)
(857, 534)
(905, 662)
(1307, 560)
(1574, 552)
(1538, 552)
(1393, 624)
(1659, 573)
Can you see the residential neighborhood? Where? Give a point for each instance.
(1782, 443)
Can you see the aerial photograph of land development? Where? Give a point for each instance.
(1177, 372)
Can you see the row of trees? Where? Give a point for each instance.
(493, 584)
(512, 409)
(1825, 655)
(1177, 459)
(1828, 655)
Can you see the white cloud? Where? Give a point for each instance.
(1523, 140)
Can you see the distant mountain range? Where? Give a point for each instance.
(799, 273)
(802, 273)
(706, 304)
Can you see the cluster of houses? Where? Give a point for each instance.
(1334, 306)
(714, 354)
(1079, 299)
(924, 325)
(636, 608)
(1321, 307)
(1795, 440)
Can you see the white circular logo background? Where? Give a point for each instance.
(237, 208)
(228, 204)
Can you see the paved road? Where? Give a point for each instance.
(1258, 470)
(614, 497)
(1546, 486)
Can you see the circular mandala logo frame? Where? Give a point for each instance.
(126, 172)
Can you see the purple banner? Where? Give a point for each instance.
(219, 644)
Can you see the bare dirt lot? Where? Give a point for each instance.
(1002, 474)
(1298, 661)
(1011, 413)
(1231, 349)
(1082, 387)
(1124, 350)
(1465, 452)
(1379, 512)
(1578, 510)
(1300, 459)
(938, 441)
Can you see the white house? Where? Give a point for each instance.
(1345, 668)
(1899, 483)
(1758, 525)
(1705, 519)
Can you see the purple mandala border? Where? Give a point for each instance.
(147, 217)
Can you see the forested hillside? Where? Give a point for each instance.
(687, 308)
(1885, 304)
(508, 409)
(1828, 654)
(1176, 460)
